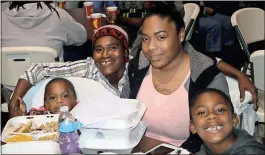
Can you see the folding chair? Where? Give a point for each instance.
(249, 27)
(192, 11)
(15, 60)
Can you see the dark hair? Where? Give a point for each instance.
(18, 4)
(166, 10)
(207, 90)
(67, 82)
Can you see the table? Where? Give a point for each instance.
(146, 144)
(79, 14)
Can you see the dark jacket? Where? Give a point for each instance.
(245, 144)
(226, 8)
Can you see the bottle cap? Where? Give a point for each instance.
(64, 109)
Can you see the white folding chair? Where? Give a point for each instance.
(249, 26)
(15, 60)
(257, 60)
(192, 11)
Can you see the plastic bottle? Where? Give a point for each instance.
(68, 136)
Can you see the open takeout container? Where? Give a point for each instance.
(10, 130)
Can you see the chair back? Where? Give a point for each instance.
(192, 11)
(257, 58)
(15, 60)
(249, 26)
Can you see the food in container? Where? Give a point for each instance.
(24, 128)
(19, 138)
(31, 128)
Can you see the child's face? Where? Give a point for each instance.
(212, 118)
(58, 95)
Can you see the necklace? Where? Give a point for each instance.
(168, 86)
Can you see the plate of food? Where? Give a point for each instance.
(31, 128)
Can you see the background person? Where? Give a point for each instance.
(35, 23)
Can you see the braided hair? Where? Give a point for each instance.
(18, 4)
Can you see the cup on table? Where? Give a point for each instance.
(96, 20)
(111, 14)
(89, 8)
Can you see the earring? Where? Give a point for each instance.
(181, 40)
(181, 37)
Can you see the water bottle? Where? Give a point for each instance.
(68, 136)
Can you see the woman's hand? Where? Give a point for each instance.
(21, 89)
(245, 84)
(22, 106)
(19, 108)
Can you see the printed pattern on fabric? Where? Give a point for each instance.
(108, 31)
(41, 111)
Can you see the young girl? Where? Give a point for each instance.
(58, 92)
(214, 120)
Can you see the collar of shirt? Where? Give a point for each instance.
(104, 81)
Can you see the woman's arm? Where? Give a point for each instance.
(243, 81)
(21, 89)
(36, 72)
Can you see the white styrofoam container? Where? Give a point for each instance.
(14, 123)
(129, 121)
(31, 147)
(107, 129)
(90, 144)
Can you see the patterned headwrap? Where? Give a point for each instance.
(115, 31)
